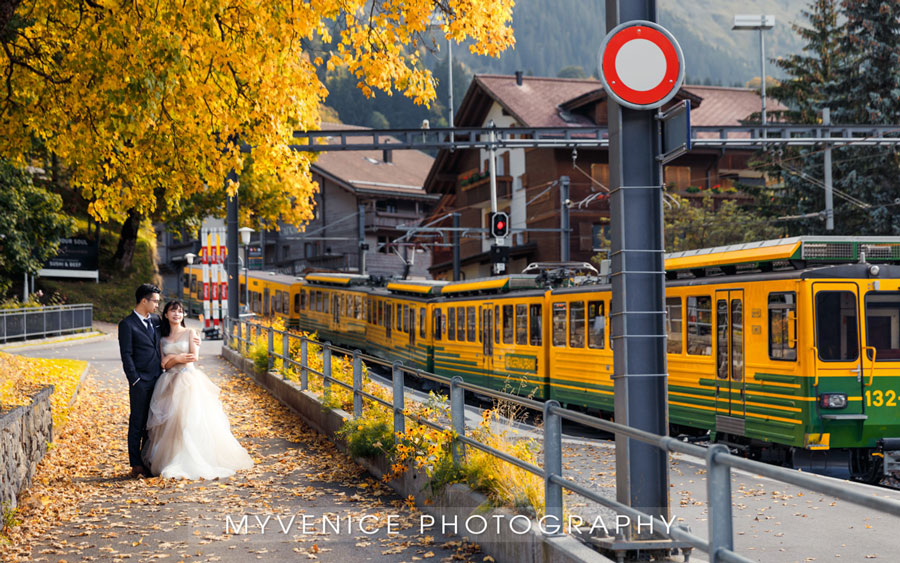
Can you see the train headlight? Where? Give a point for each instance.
(833, 400)
(873, 270)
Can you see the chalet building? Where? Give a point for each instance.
(528, 180)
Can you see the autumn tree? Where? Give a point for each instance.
(148, 104)
(31, 224)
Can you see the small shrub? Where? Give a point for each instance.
(368, 437)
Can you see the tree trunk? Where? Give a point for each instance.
(127, 241)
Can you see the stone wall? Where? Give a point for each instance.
(24, 435)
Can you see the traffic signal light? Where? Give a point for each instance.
(499, 224)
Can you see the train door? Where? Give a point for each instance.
(336, 310)
(729, 346)
(838, 363)
(388, 321)
(412, 329)
(265, 309)
(487, 339)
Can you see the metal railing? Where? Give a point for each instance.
(719, 461)
(27, 322)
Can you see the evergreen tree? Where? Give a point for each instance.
(867, 90)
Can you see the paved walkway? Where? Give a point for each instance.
(83, 505)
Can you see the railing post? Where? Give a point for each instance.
(271, 347)
(285, 354)
(458, 417)
(238, 327)
(553, 493)
(399, 419)
(304, 374)
(718, 494)
(326, 367)
(357, 384)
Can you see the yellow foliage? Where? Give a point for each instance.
(143, 100)
(21, 377)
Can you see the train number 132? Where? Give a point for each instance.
(878, 398)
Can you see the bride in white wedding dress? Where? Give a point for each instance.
(190, 436)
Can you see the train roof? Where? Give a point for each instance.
(416, 287)
(794, 252)
(491, 285)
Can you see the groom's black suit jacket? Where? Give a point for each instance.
(140, 351)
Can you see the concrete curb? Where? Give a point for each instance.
(78, 387)
(457, 508)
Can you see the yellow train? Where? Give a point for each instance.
(787, 349)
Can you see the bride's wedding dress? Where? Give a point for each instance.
(190, 437)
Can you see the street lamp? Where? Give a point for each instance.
(189, 257)
(245, 240)
(762, 23)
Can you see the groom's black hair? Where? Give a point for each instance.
(145, 290)
(165, 328)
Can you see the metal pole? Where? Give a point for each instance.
(718, 494)
(247, 276)
(564, 219)
(638, 289)
(304, 364)
(829, 188)
(231, 241)
(762, 60)
(285, 354)
(25, 289)
(271, 347)
(399, 404)
(553, 493)
(456, 266)
(450, 64)
(493, 170)
(458, 417)
(326, 367)
(357, 384)
(361, 225)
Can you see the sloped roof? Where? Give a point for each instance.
(366, 171)
(538, 101)
(723, 106)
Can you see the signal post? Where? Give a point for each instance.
(641, 68)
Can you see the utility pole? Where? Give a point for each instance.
(361, 226)
(231, 242)
(564, 218)
(829, 188)
(456, 273)
(638, 289)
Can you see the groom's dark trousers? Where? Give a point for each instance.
(141, 360)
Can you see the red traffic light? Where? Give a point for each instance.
(499, 224)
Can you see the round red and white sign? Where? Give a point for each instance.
(641, 65)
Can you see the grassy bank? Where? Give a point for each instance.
(113, 297)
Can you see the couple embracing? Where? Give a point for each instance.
(177, 427)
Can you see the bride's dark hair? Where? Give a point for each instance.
(164, 327)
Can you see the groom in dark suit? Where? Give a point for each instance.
(139, 346)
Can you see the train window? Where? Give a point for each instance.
(326, 302)
(471, 326)
(437, 326)
(302, 299)
(537, 324)
(276, 302)
(737, 339)
(508, 324)
(405, 318)
(316, 301)
(522, 324)
(559, 324)
(699, 325)
(497, 324)
(451, 323)
(380, 313)
(423, 317)
(576, 324)
(357, 307)
(596, 324)
(675, 343)
(388, 321)
(883, 325)
(461, 323)
(296, 303)
(242, 294)
(836, 335)
(783, 326)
